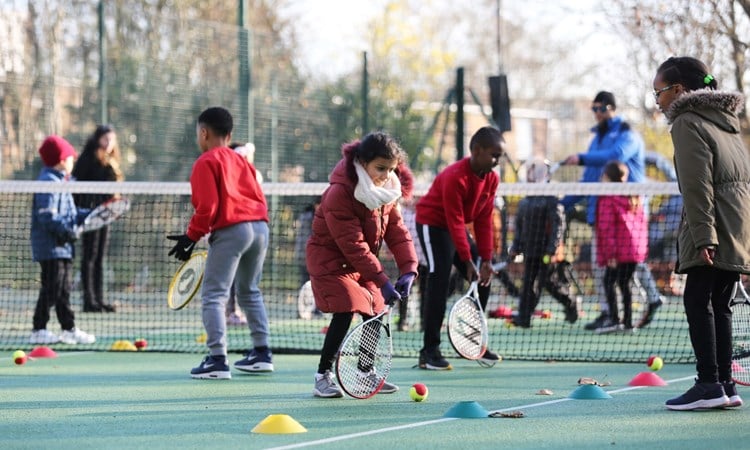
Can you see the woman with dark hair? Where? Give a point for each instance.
(357, 214)
(99, 161)
(713, 173)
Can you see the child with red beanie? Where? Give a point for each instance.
(53, 220)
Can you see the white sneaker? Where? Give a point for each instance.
(76, 336)
(43, 337)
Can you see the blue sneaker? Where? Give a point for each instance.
(212, 368)
(255, 361)
(700, 396)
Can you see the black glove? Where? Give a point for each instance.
(183, 248)
(389, 293)
(68, 236)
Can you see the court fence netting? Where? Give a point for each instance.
(138, 272)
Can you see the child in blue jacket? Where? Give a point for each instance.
(53, 220)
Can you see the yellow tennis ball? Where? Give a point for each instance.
(546, 259)
(418, 392)
(655, 363)
(19, 357)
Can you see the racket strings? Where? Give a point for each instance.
(741, 343)
(467, 325)
(364, 360)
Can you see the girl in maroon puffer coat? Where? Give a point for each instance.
(357, 214)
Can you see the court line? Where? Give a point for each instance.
(447, 419)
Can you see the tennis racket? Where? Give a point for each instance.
(306, 301)
(364, 358)
(186, 282)
(104, 214)
(740, 304)
(467, 326)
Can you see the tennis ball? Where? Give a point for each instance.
(546, 259)
(655, 363)
(140, 344)
(19, 357)
(546, 314)
(418, 392)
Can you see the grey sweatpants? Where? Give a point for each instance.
(235, 253)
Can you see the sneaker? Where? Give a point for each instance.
(597, 323)
(571, 312)
(76, 336)
(700, 396)
(235, 319)
(730, 389)
(609, 326)
(518, 322)
(325, 387)
(433, 361)
(489, 359)
(648, 316)
(212, 368)
(255, 361)
(43, 337)
(370, 378)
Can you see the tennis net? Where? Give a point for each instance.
(138, 271)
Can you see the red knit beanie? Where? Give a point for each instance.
(55, 149)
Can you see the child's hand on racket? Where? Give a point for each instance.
(403, 285)
(183, 248)
(390, 294)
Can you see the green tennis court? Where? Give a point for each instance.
(147, 400)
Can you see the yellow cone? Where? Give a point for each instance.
(279, 424)
(123, 346)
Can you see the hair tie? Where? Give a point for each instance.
(708, 79)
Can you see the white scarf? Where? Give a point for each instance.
(373, 197)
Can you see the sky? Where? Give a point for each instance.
(332, 41)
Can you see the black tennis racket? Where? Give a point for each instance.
(467, 327)
(740, 304)
(364, 359)
(104, 214)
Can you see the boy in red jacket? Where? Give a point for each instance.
(463, 193)
(230, 205)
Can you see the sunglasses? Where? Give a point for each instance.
(600, 109)
(657, 92)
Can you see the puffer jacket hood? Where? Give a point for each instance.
(718, 107)
(344, 172)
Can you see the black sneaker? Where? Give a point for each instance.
(730, 389)
(648, 316)
(700, 396)
(598, 322)
(489, 359)
(571, 312)
(609, 326)
(433, 361)
(212, 368)
(256, 361)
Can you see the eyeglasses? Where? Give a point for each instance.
(657, 92)
(600, 109)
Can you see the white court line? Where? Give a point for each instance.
(446, 419)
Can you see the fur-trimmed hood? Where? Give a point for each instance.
(345, 170)
(719, 107)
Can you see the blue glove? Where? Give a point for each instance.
(403, 285)
(390, 294)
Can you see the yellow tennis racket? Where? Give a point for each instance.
(187, 281)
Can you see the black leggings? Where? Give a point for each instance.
(55, 292)
(707, 294)
(620, 276)
(335, 335)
